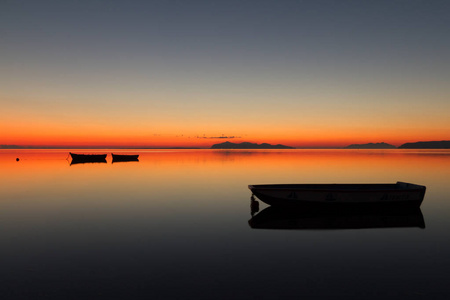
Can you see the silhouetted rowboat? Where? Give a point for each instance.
(84, 158)
(124, 157)
(339, 195)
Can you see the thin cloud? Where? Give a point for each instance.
(218, 137)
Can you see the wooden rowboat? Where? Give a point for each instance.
(84, 158)
(339, 195)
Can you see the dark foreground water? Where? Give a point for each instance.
(175, 225)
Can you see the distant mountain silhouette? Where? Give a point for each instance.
(427, 145)
(247, 145)
(371, 146)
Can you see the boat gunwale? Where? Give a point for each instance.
(344, 190)
(336, 187)
(125, 155)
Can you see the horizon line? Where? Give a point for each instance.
(67, 147)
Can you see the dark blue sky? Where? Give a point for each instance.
(180, 58)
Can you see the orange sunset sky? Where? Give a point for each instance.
(183, 73)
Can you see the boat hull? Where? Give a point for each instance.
(340, 195)
(85, 158)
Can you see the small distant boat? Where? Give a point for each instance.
(124, 157)
(340, 195)
(85, 158)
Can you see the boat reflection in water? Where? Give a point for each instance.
(77, 162)
(281, 218)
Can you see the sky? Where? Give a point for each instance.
(194, 73)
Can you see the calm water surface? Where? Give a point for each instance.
(175, 225)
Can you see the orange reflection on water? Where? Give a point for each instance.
(260, 165)
(42, 178)
(246, 161)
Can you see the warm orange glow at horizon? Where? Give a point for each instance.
(27, 129)
(170, 140)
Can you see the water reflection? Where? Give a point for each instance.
(81, 161)
(175, 225)
(279, 218)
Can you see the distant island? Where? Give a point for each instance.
(371, 146)
(247, 145)
(427, 145)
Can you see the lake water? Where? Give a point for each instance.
(175, 225)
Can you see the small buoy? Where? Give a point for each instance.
(17, 159)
